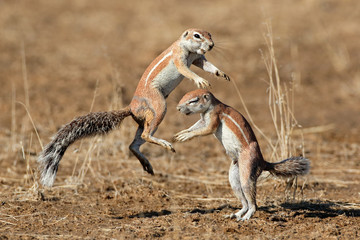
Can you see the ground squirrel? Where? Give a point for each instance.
(240, 144)
(148, 106)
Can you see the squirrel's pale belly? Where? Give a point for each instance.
(234, 177)
(229, 141)
(167, 79)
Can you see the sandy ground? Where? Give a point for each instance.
(61, 59)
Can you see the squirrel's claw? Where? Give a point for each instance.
(220, 73)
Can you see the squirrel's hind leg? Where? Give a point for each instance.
(249, 172)
(153, 118)
(135, 149)
(234, 179)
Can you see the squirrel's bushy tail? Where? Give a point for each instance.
(290, 167)
(83, 126)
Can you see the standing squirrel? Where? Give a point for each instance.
(148, 105)
(239, 141)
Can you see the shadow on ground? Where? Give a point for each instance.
(309, 209)
(322, 209)
(164, 212)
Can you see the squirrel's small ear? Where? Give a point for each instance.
(206, 96)
(185, 34)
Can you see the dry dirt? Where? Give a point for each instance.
(61, 59)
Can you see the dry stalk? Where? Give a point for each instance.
(281, 107)
(24, 74)
(32, 122)
(13, 117)
(30, 176)
(86, 166)
(32, 191)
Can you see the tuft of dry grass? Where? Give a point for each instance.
(281, 104)
(281, 101)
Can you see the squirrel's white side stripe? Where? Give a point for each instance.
(156, 65)
(237, 125)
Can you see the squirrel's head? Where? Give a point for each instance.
(196, 41)
(197, 101)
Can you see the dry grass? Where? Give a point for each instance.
(281, 101)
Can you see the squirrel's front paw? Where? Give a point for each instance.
(220, 73)
(166, 145)
(231, 216)
(182, 136)
(202, 83)
(181, 132)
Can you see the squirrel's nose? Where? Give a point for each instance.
(178, 108)
(211, 46)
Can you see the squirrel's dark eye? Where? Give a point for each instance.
(196, 35)
(194, 101)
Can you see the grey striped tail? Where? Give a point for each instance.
(290, 167)
(83, 126)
